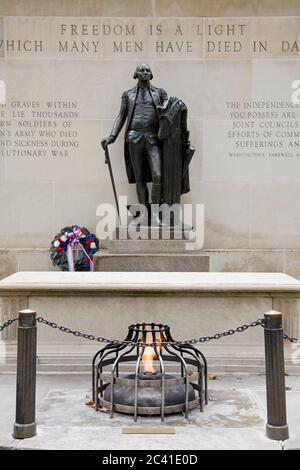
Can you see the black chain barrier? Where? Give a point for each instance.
(8, 323)
(291, 339)
(203, 339)
(100, 339)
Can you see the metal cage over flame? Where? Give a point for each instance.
(149, 393)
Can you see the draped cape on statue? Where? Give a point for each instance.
(177, 151)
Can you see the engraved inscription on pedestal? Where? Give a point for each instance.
(236, 75)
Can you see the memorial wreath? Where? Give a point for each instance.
(73, 248)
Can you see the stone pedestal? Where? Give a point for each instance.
(154, 249)
(192, 304)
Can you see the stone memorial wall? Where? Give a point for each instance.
(63, 67)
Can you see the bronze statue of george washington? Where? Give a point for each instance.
(155, 124)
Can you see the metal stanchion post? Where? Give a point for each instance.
(25, 425)
(277, 427)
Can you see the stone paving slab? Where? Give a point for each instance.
(226, 409)
(185, 439)
(233, 419)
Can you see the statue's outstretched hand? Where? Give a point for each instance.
(109, 140)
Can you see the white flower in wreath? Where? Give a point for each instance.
(56, 243)
(63, 238)
(93, 245)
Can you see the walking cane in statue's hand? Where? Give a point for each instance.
(107, 161)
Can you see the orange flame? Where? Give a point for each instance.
(149, 355)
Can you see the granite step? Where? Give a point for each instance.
(173, 262)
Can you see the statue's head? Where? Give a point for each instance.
(143, 72)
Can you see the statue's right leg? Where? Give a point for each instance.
(136, 152)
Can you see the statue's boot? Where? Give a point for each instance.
(155, 203)
(140, 214)
(142, 193)
(176, 222)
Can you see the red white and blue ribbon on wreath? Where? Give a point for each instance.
(72, 241)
